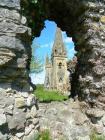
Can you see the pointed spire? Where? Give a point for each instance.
(58, 48)
(58, 37)
(47, 59)
(48, 62)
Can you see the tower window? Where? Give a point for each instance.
(55, 51)
(60, 65)
(60, 80)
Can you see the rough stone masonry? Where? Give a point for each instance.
(18, 113)
(84, 20)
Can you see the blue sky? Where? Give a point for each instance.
(45, 41)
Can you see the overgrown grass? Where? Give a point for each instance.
(94, 136)
(48, 96)
(45, 135)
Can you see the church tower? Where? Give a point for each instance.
(56, 77)
(59, 63)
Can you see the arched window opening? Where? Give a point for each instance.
(60, 65)
(53, 49)
(60, 80)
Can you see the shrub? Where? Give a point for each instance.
(45, 135)
(94, 136)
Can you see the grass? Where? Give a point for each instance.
(48, 96)
(94, 136)
(45, 135)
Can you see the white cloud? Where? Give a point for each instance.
(47, 45)
(44, 45)
(68, 40)
(38, 78)
(63, 33)
(72, 49)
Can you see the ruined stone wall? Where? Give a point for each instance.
(90, 44)
(84, 20)
(17, 107)
(91, 60)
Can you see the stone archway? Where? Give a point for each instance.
(85, 22)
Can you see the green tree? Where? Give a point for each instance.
(36, 64)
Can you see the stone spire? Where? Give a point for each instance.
(58, 47)
(47, 62)
(47, 59)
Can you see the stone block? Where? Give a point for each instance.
(97, 113)
(32, 136)
(35, 121)
(20, 102)
(11, 4)
(33, 112)
(17, 121)
(9, 110)
(14, 138)
(31, 100)
(3, 119)
(28, 130)
(19, 135)
(3, 136)
(102, 19)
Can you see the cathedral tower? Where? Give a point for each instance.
(56, 70)
(59, 63)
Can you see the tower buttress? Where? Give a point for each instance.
(47, 61)
(48, 69)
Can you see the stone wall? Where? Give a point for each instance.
(18, 113)
(90, 68)
(84, 20)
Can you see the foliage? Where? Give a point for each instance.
(35, 14)
(48, 96)
(94, 136)
(45, 135)
(36, 65)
